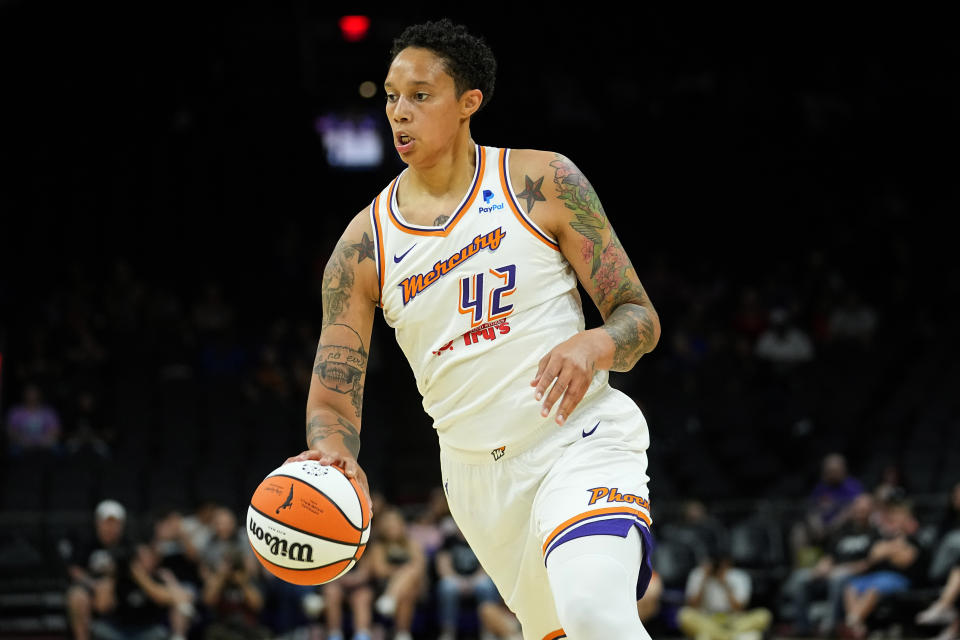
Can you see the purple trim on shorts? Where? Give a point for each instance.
(615, 527)
(609, 527)
(646, 568)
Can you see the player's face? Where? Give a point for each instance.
(422, 104)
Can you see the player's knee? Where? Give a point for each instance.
(596, 601)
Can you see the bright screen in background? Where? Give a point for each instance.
(351, 141)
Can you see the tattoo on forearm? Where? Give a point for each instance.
(338, 278)
(440, 220)
(322, 427)
(631, 326)
(364, 248)
(532, 193)
(341, 363)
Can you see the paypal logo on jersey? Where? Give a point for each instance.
(487, 197)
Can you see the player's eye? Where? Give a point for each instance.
(421, 96)
(391, 97)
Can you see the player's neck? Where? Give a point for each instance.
(450, 173)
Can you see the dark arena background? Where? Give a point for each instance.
(176, 175)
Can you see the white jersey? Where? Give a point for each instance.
(476, 303)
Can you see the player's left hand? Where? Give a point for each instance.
(569, 367)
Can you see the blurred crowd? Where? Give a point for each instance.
(859, 560)
(178, 575)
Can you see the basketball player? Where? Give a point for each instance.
(473, 253)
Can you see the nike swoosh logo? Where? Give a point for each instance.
(590, 433)
(404, 254)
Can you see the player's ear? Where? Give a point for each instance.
(470, 101)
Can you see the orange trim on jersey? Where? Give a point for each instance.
(590, 514)
(381, 269)
(516, 207)
(554, 635)
(444, 231)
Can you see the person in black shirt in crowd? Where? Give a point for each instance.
(176, 571)
(847, 553)
(895, 562)
(90, 564)
(234, 599)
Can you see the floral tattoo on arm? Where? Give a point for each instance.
(629, 315)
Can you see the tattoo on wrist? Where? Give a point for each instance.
(320, 428)
(341, 362)
(632, 330)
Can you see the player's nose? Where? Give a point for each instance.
(401, 110)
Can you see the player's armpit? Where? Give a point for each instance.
(573, 212)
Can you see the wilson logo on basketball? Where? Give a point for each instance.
(279, 547)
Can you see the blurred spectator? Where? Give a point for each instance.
(950, 518)
(891, 483)
(783, 343)
(32, 425)
(233, 598)
(90, 564)
(846, 556)
(459, 577)
(226, 540)
(116, 593)
(211, 313)
(425, 528)
(704, 526)
(894, 563)
(356, 587)
(717, 597)
(270, 377)
(398, 566)
(157, 598)
(86, 436)
(197, 529)
(750, 318)
(943, 610)
(853, 322)
(827, 505)
(176, 568)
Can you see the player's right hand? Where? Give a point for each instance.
(351, 468)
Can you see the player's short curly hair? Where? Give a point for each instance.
(468, 59)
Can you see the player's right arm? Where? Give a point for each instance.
(350, 291)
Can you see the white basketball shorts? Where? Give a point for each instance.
(587, 477)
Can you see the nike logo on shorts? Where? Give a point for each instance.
(404, 254)
(590, 433)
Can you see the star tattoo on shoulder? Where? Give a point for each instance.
(531, 194)
(364, 248)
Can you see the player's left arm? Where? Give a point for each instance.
(570, 211)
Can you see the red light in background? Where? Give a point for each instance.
(354, 28)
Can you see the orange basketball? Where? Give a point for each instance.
(308, 523)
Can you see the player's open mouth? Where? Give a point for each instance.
(404, 142)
